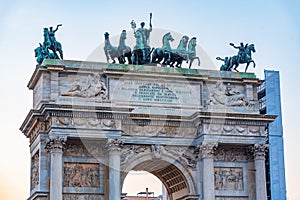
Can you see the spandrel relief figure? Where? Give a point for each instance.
(93, 87)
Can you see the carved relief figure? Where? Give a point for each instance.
(92, 87)
(35, 171)
(81, 175)
(228, 178)
(227, 96)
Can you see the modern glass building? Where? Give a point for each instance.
(269, 103)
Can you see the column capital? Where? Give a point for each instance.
(55, 143)
(259, 151)
(207, 149)
(115, 144)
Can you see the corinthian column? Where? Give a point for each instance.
(260, 171)
(55, 146)
(207, 154)
(114, 147)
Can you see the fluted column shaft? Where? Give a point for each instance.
(260, 171)
(207, 154)
(114, 147)
(55, 146)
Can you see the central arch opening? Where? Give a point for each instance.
(155, 173)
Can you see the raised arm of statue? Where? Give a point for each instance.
(57, 27)
(231, 44)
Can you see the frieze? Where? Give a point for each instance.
(90, 123)
(162, 131)
(81, 175)
(228, 178)
(35, 170)
(82, 197)
(85, 149)
(231, 155)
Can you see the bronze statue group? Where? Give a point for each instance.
(142, 53)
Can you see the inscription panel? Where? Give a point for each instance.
(155, 91)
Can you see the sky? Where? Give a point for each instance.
(272, 25)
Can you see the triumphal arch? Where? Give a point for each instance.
(199, 131)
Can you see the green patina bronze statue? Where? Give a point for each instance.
(42, 52)
(243, 57)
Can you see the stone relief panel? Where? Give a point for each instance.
(228, 95)
(81, 175)
(85, 149)
(92, 86)
(228, 178)
(82, 197)
(90, 123)
(35, 170)
(226, 154)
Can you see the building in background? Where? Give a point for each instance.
(270, 104)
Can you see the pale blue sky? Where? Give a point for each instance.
(273, 26)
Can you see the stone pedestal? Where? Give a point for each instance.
(114, 147)
(260, 174)
(55, 147)
(207, 150)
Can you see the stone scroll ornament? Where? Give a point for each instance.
(93, 86)
(227, 96)
(50, 46)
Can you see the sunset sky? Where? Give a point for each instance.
(272, 25)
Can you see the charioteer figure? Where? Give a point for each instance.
(142, 50)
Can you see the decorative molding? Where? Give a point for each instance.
(115, 144)
(56, 143)
(90, 123)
